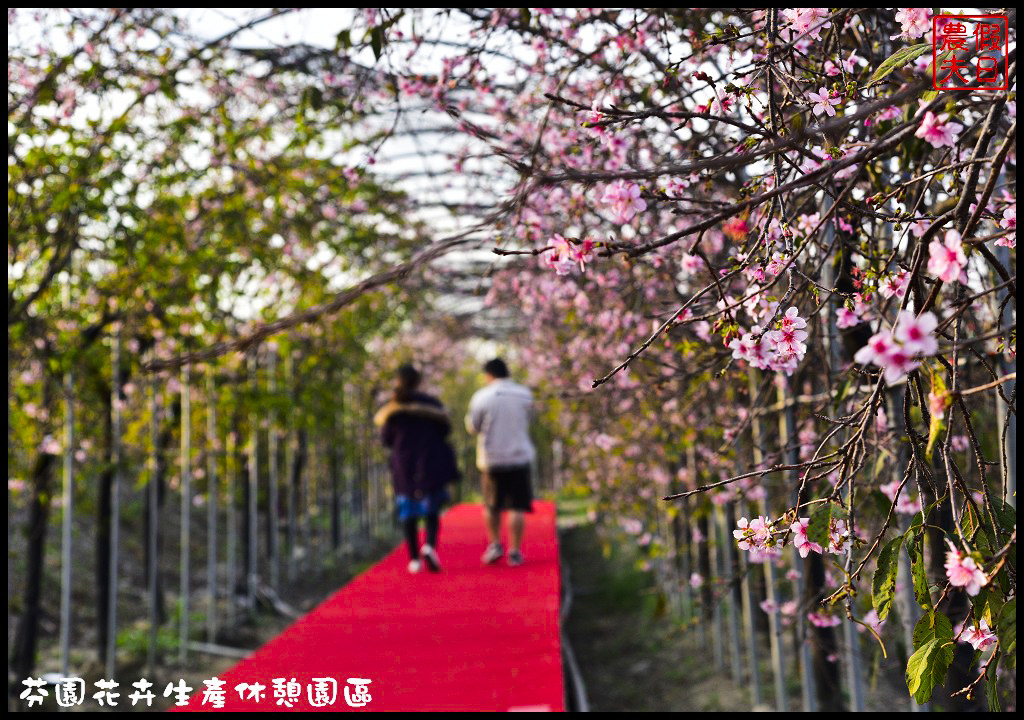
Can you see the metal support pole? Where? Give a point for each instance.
(185, 464)
(854, 674)
(1007, 421)
(115, 502)
(775, 622)
(750, 630)
(726, 573)
(668, 567)
(787, 435)
(691, 464)
(681, 528)
(212, 453)
(231, 551)
(744, 592)
(151, 539)
(254, 486)
(272, 467)
(905, 601)
(67, 500)
(289, 463)
(306, 501)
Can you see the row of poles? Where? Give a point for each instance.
(726, 608)
(342, 498)
(733, 619)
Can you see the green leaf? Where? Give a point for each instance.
(988, 603)
(1006, 631)
(918, 569)
(898, 59)
(377, 41)
(879, 466)
(932, 626)
(931, 72)
(883, 583)
(937, 424)
(819, 524)
(927, 668)
(1006, 514)
(983, 541)
(991, 686)
(843, 391)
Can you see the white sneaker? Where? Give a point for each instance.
(492, 554)
(414, 567)
(430, 557)
(515, 558)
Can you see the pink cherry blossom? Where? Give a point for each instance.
(946, 259)
(822, 619)
(846, 318)
(897, 352)
(777, 264)
(800, 540)
(49, 446)
(839, 540)
(936, 131)
(809, 21)
(871, 620)
(963, 571)
(916, 334)
(623, 197)
(879, 346)
(1009, 222)
(890, 113)
(906, 503)
(754, 534)
(914, 21)
(980, 636)
(823, 102)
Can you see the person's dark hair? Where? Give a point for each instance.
(408, 379)
(496, 368)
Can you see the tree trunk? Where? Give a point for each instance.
(159, 477)
(104, 507)
(824, 643)
(27, 636)
(704, 563)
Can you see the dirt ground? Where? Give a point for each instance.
(633, 656)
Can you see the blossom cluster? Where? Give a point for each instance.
(564, 255)
(755, 534)
(623, 199)
(906, 504)
(899, 351)
(780, 350)
(838, 538)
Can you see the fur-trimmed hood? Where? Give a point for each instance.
(420, 409)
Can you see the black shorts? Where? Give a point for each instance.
(508, 488)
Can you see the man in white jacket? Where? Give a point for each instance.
(499, 415)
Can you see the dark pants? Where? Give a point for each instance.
(433, 525)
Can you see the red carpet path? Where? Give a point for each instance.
(473, 637)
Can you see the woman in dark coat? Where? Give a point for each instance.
(416, 426)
